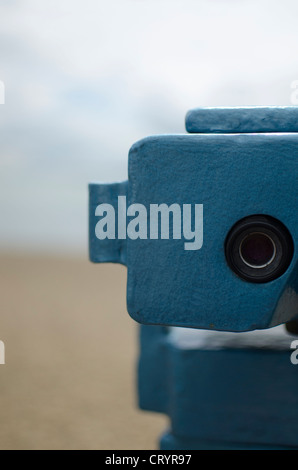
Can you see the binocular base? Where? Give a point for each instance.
(171, 442)
(221, 390)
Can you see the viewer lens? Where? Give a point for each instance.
(257, 250)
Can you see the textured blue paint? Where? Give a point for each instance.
(233, 176)
(153, 369)
(242, 120)
(237, 162)
(230, 398)
(105, 251)
(171, 442)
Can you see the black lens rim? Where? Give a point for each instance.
(270, 227)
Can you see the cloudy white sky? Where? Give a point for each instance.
(85, 79)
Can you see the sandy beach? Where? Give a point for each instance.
(71, 350)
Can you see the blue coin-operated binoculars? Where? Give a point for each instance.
(207, 226)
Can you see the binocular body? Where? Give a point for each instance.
(207, 222)
(207, 227)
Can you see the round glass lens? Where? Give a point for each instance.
(257, 250)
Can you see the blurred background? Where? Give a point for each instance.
(83, 81)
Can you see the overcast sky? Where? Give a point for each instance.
(85, 79)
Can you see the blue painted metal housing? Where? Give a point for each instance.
(241, 162)
(238, 395)
(105, 251)
(242, 120)
(242, 394)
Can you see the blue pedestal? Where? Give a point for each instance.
(221, 390)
